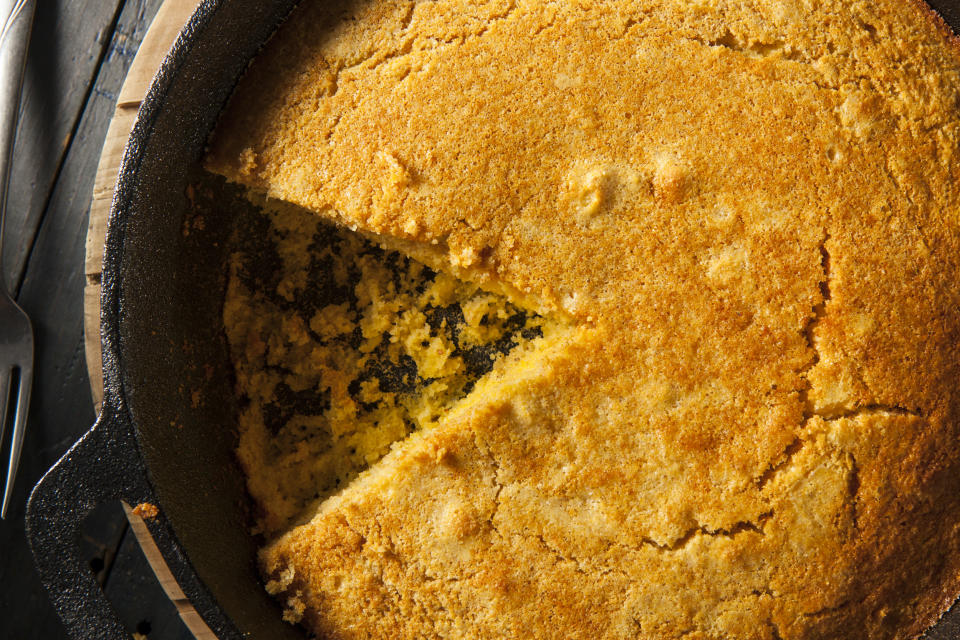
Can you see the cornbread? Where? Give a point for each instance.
(345, 349)
(745, 217)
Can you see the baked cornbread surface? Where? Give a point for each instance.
(748, 214)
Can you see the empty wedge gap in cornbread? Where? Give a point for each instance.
(342, 348)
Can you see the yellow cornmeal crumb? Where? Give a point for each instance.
(249, 160)
(332, 321)
(444, 290)
(284, 579)
(333, 379)
(294, 610)
(433, 355)
(477, 313)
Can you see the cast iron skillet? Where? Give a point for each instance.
(162, 340)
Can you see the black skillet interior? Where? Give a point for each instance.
(166, 435)
(173, 367)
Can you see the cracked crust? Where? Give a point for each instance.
(749, 209)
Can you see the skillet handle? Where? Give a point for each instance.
(95, 470)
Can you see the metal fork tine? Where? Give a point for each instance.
(19, 429)
(6, 377)
(16, 349)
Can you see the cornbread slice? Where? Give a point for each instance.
(340, 349)
(748, 210)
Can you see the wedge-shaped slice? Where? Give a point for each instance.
(748, 209)
(341, 349)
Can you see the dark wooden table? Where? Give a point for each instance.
(79, 55)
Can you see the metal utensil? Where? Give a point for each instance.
(16, 333)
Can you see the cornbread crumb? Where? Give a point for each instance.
(283, 581)
(146, 510)
(293, 613)
(248, 161)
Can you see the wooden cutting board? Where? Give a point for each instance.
(170, 18)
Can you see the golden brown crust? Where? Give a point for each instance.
(749, 209)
